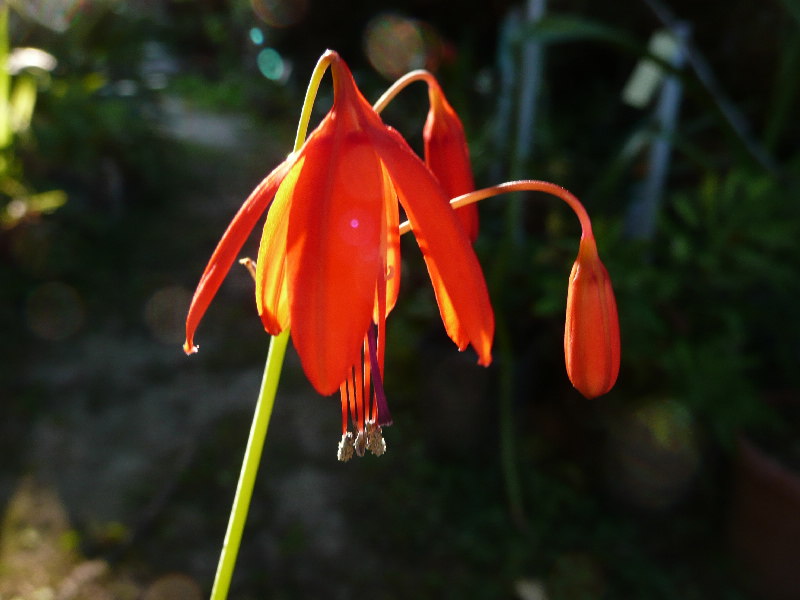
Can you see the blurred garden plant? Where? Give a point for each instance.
(20, 73)
(328, 265)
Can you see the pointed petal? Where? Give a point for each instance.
(229, 246)
(272, 298)
(454, 269)
(333, 253)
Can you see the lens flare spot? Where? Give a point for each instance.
(354, 223)
(272, 65)
(395, 45)
(280, 13)
(256, 36)
(654, 454)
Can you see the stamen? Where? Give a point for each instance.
(345, 407)
(358, 392)
(250, 265)
(351, 399)
(346, 447)
(375, 442)
(361, 443)
(364, 399)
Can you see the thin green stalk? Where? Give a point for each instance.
(508, 453)
(252, 459)
(265, 402)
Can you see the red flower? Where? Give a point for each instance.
(329, 260)
(591, 334)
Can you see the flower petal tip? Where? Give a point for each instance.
(190, 349)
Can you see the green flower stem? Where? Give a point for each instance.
(508, 453)
(252, 459)
(265, 402)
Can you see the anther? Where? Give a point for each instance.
(346, 447)
(361, 443)
(250, 265)
(375, 442)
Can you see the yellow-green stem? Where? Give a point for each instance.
(266, 399)
(252, 459)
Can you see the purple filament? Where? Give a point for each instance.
(384, 417)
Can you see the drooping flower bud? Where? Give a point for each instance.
(447, 155)
(591, 332)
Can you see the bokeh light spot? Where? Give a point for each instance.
(394, 45)
(280, 13)
(256, 36)
(165, 313)
(54, 311)
(653, 454)
(272, 65)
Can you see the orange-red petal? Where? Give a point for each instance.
(272, 296)
(229, 246)
(454, 269)
(591, 332)
(333, 252)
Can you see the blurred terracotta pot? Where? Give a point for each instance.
(765, 524)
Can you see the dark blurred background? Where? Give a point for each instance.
(130, 132)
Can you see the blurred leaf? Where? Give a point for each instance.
(23, 101)
(564, 28)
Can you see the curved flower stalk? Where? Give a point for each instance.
(591, 331)
(446, 150)
(328, 264)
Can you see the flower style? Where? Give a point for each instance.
(328, 263)
(591, 332)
